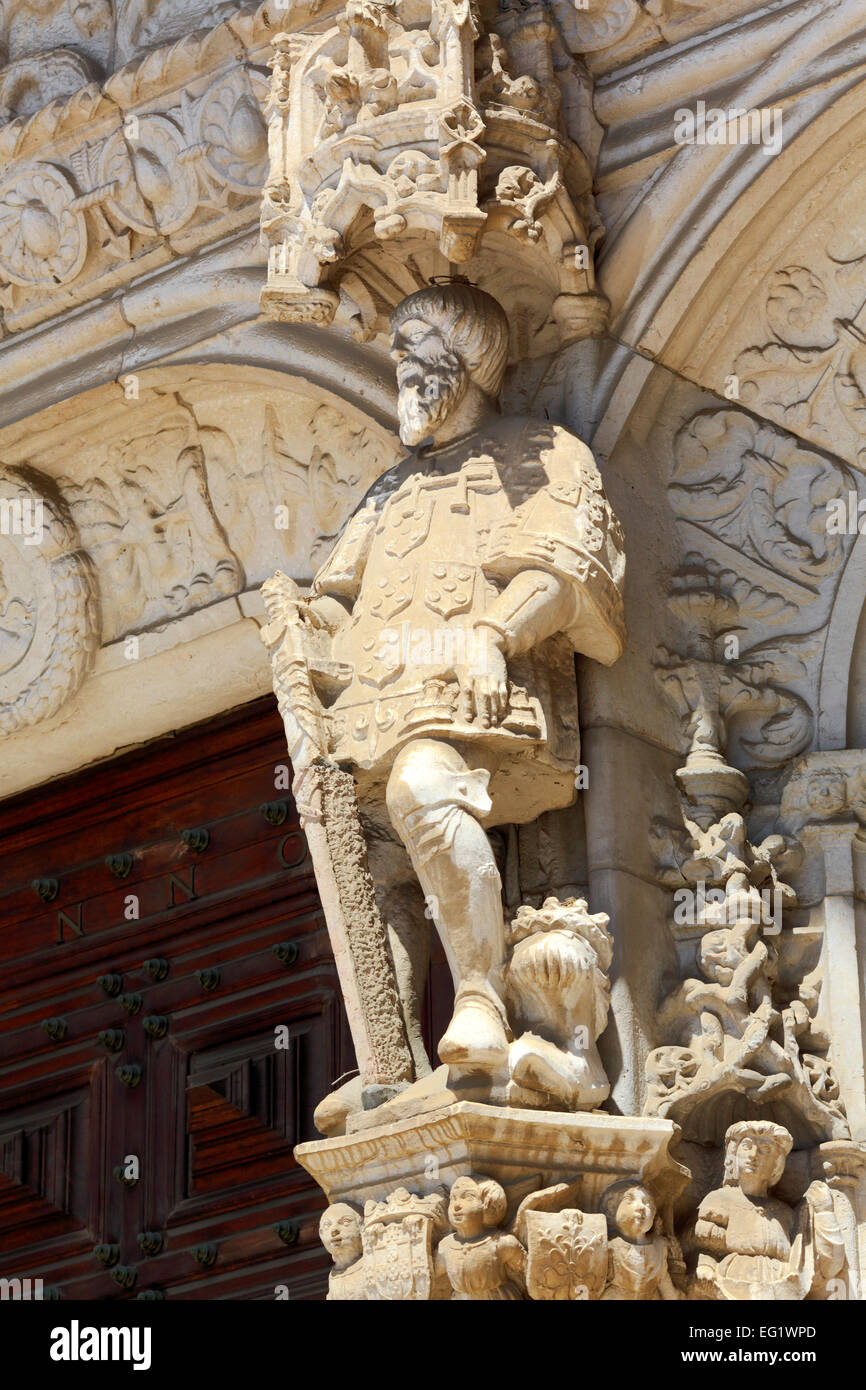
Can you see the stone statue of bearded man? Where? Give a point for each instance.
(447, 618)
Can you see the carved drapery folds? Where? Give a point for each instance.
(414, 124)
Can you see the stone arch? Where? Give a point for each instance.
(768, 291)
(673, 260)
(180, 488)
(204, 311)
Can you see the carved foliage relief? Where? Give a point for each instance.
(745, 1030)
(793, 334)
(107, 179)
(761, 569)
(49, 607)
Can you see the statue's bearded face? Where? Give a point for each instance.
(431, 377)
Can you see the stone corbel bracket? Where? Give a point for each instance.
(436, 135)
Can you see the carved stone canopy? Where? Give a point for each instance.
(415, 135)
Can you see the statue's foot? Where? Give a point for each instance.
(538, 1065)
(331, 1114)
(475, 1040)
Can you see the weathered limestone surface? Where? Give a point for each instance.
(551, 1218)
(208, 214)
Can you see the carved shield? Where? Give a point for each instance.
(406, 523)
(381, 657)
(567, 1255)
(390, 594)
(398, 1259)
(449, 588)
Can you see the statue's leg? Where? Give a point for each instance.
(434, 799)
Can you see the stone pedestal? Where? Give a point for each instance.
(474, 1201)
(428, 1152)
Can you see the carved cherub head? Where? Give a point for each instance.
(755, 1153)
(340, 1233)
(444, 337)
(630, 1208)
(475, 1203)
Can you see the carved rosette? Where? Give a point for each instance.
(96, 179)
(49, 608)
(153, 189)
(41, 232)
(432, 132)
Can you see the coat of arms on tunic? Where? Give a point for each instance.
(449, 588)
(398, 1239)
(406, 522)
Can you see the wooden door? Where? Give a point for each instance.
(158, 922)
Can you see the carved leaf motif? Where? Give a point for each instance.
(789, 381)
(812, 376)
(751, 601)
(755, 686)
(231, 126)
(566, 1255)
(761, 491)
(795, 304)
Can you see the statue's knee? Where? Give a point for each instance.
(427, 773)
(416, 775)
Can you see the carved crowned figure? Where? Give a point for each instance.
(441, 632)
